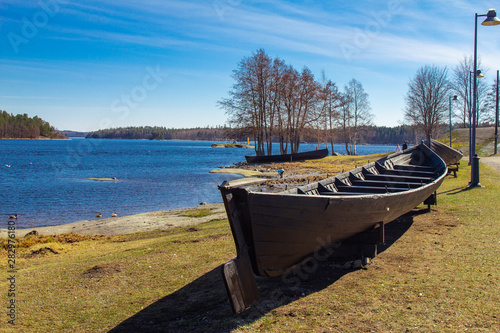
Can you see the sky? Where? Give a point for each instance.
(88, 65)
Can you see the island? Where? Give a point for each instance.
(231, 145)
(22, 126)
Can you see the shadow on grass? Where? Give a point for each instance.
(455, 191)
(202, 305)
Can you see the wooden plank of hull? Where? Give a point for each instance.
(383, 184)
(418, 168)
(397, 178)
(364, 188)
(412, 173)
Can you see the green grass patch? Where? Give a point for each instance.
(198, 212)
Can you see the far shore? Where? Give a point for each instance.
(121, 225)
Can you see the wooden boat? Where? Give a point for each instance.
(306, 155)
(449, 156)
(277, 232)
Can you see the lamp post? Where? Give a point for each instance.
(455, 98)
(491, 19)
(478, 75)
(496, 117)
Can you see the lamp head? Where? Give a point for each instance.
(479, 74)
(455, 98)
(491, 18)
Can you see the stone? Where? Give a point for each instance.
(32, 233)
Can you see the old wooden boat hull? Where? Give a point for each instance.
(277, 232)
(307, 155)
(449, 156)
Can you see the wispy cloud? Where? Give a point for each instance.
(29, 97)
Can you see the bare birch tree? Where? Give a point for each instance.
(247, 105)
(356, 109)
(427, 98)
(331, 100)
(462, 85)
(491, 102)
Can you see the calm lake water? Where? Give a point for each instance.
(46, 182)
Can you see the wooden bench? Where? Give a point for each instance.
(453, 168)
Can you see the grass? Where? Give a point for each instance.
(440, 275)
(198, 212)
(31, 240)
(93, 285)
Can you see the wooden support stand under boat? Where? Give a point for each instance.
(275, 233)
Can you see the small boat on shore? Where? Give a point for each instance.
(275, 233)
(306, 155)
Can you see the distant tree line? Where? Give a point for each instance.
(23, 127)
(143, 132)
(73, 134)
(372, 134)
(160, 133)
(270, 101)
(376, 135)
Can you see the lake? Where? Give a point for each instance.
(47, 182)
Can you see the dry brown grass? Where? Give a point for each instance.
(32, 240)
(460, 139)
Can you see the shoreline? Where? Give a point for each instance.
(158, 220)
(155, 220)
(161, 220)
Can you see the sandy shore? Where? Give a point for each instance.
(133, 223)
(158, 220)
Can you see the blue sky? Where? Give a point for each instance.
(85, 65)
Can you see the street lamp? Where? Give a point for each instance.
(496, 117)
(455, 98)
(478, 75)
(491, 19)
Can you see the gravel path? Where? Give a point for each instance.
(493, 161)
